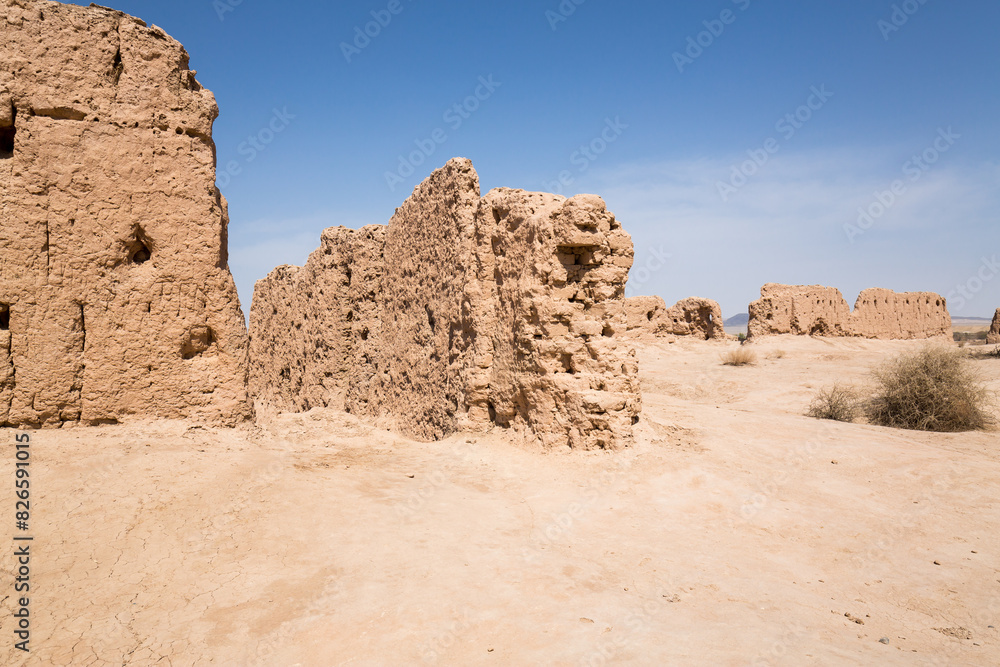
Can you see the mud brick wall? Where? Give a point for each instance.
(473, 312)
(114, 283)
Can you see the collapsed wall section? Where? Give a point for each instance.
(694, 316)
(117, 299)
(498, 310)
(556, 269)
(993, 337)
(822, 311)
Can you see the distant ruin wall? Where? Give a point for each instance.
(115, 295)
(992, 337)
(697, 317)
(882, 313)
(822, 311)
(466, 312)
(313, 342)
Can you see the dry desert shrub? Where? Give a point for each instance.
(839, 403)
(739, 357)
(990, 353)
(933, 389)
(777, 354)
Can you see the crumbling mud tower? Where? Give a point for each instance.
(822, 311)
(993, 337)
(462, 313)
(697, 317)
(115, 296)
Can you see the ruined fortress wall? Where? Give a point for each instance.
(113, 274)
(822, 311)
(800, 310)
(882, 313)
(316, 325)
(494, 310)
(992, 337)
(646, 314)
(694, 316)
(424, 336)
(559, 268)
(697, 317)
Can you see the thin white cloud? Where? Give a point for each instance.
(787, 224)
(259, 246)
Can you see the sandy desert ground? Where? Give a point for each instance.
(736, 532)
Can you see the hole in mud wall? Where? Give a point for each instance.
(140, 255)
(139, 247)
(567, 363)
(116, 68)
(197, 341)
(4, 317)
(6, 142)
(7, 133)
(819, 328)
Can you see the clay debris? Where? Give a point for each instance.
(993, 337)
(822, 311)
(115, 296)
(463, 312)
(701, 318)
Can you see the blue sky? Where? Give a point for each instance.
(683, 109)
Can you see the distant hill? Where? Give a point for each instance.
(738, 320)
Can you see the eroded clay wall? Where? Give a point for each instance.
(994, 335)
(882, 313)
(495, 310)
(822, 311)
(316, 326)
(803, 310)
(424, 337)
(113, 270)
(694, 316)
(557, 269)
